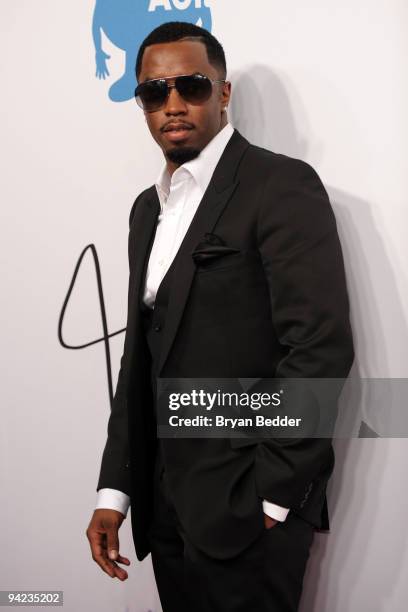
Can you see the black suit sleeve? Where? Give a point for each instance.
(303, 263)
(114, 471)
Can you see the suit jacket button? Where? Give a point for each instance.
(157, 328)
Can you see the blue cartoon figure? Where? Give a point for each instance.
(127, 22)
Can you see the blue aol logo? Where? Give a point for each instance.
(127, 22)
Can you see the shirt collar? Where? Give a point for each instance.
(201, 168)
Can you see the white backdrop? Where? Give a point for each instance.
(323, 81)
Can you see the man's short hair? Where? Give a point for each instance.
(173, 31)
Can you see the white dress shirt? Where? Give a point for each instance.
(179, 197)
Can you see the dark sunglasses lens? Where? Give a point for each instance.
(194, 89)
(151, 95)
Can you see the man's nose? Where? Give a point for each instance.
(175, 103)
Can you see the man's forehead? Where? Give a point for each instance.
(168, 59)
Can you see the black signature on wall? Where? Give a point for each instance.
(106, 335)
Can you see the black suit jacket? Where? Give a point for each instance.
(275, 307)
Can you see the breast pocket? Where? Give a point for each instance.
(225, 261)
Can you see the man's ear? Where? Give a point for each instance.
(226, 94)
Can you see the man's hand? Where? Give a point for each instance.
(102, 534)
(269, 521)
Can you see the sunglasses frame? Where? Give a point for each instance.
(174, 86)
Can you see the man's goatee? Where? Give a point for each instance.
(182, 155)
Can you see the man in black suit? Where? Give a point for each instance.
(235, 271)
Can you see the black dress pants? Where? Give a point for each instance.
(266, 577)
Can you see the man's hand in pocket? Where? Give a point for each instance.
(269, 521)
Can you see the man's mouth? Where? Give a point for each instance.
(176, 132)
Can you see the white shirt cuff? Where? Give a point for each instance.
(276, 512)
(112, 499)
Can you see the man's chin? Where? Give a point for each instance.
(181, 155)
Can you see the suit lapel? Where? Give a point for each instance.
(144, 221)
(216, 197)
(140, 241)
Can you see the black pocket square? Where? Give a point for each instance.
(210, 248)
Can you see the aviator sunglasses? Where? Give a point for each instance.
(193, 88)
